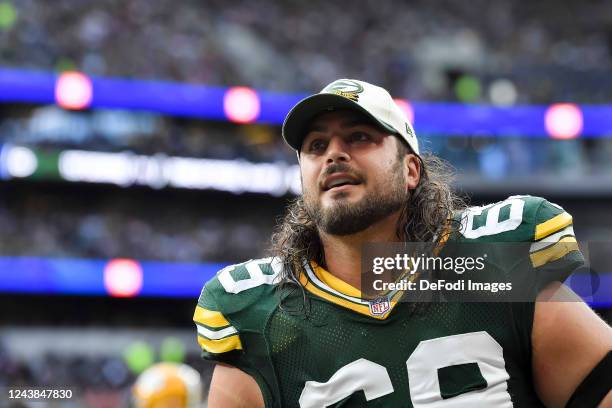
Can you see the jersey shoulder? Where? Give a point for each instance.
(545, 228)
(237, 300)
(520, 218)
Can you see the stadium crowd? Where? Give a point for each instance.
(54, 129)
(59, 226)
(142, 133)
(550, 51)
(541, 53)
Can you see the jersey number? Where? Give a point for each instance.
(256, 277)
(422, 366)
(492, 224)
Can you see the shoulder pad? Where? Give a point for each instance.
(545, 227)
(553, 237)
(510, 220)
(224, 307)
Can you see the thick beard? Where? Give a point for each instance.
(343, 218)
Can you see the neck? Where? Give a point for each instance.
(343, 253)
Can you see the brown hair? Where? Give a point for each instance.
(426, 217)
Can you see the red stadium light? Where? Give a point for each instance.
(563, 121)
(123, 277)
(241, 104)
(407, 108)
(73, 90)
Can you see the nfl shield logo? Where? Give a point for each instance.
(379, 306)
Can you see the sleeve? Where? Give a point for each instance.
(230, 331)
(218, 339)
(554, 252)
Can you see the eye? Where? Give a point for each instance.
(360, 137)
(317, 145)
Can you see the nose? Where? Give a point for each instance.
(337, 151)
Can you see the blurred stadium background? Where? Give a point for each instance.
(141, 149)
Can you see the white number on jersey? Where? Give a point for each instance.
(476, 347)
(422, 365)
(492, 224)
(256, 275)
(361, 374)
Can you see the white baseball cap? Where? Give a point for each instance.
(371, 100)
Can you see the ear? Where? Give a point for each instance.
(412, 171)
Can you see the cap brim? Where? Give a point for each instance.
(294, 127)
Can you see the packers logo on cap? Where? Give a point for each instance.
(409, 130)
(347, 89)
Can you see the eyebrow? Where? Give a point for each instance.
(345, 124)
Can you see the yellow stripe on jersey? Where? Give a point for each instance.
(309, 286)
(215, 334)
(362, 309)
(554, 252)
(220, 346)
(551, 239)
(553, 225)
(209, 318)
(334, 282)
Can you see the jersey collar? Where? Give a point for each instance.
(323, 284)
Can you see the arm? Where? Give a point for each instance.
(568, 341)
(233, 388)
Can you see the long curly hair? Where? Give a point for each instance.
(427, 216)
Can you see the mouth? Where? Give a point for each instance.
(339, 181)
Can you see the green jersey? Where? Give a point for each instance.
(325, 347)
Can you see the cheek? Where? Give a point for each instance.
(380, 172)
(385, 174)
(309, 178)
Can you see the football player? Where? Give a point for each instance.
(294, 330)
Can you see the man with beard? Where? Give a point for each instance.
(295, 330)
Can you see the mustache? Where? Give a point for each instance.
(340, 168)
